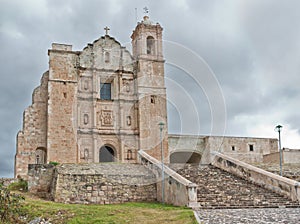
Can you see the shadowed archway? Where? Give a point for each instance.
(106, 154)
(185, 157)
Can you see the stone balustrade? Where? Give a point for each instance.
(268, 180)
(177, 190)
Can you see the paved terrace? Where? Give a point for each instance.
(257, 216)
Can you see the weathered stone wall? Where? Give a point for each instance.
(62, 88)
(271, 158)
(40, 179)
(105, 183)
(34, 132)
(291, 156)
(237, 147)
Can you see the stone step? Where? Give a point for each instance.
(220, 189)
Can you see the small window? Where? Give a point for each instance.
(233, 148)
(251, 148)
(152, 99)
(107, 57)
(105, 91)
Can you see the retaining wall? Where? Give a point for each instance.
(105, 183)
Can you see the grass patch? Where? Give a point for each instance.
(21, 185)
(121, 213)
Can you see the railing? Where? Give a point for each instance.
(268, 180)
(177, 190)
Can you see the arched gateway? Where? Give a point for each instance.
(106, 154)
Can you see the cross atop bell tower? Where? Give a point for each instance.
(147, 40)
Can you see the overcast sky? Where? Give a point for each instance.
(250, 47)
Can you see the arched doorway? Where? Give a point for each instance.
(106, 154)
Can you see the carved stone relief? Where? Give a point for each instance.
(126, 85)
(106, 118)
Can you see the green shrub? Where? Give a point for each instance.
(21, 185)
(10, 206)
(54, 163)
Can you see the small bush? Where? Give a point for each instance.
(21, 185)
(54, 163)
(10, 206)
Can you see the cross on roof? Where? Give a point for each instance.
(146, 10)
(106, 30)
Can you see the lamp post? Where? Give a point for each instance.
(161, 126)
(278, 128)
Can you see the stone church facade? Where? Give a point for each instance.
(101, 104)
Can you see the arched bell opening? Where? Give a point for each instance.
(150, 45)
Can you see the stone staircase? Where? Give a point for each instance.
(219, 189)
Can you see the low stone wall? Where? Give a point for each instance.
(104, 183)
(177, 190)
(288, 157)
(258, 176)
(271, 158)
(291, 156)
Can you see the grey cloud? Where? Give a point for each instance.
(252, 47)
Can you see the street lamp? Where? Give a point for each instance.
(278, 128)
(161, 126)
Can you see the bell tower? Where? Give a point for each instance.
(151, 90)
